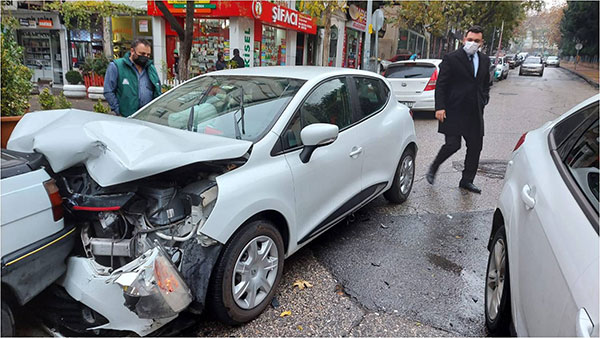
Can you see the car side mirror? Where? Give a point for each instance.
(316, 135)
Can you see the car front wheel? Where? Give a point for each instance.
(497, 286)
(403, 178)
(247, 273)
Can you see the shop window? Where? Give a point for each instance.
(333, 46)
(125, 29)
(211, 36)
(273, 47)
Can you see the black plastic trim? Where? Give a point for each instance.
(353, 204)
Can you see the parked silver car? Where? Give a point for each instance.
(553, 61)
(532, 65)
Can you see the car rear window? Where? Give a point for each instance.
(410, 71)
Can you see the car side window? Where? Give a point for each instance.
(582, 161)
(372, 95)
(328, 103)
(565, 133)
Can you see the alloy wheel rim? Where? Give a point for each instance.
(406, 174)
(254, 272)
(495, 279)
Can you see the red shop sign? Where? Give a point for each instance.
(266, 12)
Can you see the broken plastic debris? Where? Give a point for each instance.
(285, 313)
(301, 284)
(384, 226)
(300, 328)
(458, 236)
(449, 216)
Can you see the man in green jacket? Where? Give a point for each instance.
(132, 81)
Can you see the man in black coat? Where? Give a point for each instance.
(462, 91)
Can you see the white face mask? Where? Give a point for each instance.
(471, 47)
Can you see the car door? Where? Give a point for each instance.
(327, 186)
(379, 129)
(556, 241)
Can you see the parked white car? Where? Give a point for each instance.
(413, 82)
(553, 61)
(199, 196)
(502, 67)
(35, 240)
(542, 272)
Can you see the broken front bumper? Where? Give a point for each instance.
(141, 296)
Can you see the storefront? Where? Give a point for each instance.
(356, 26)
(84, 44)
(411, 41)
(125, 29)
(263, 32)
(43, 39)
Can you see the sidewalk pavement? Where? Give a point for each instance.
(587, 71)
(83, 103)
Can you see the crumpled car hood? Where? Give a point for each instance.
(115, 149)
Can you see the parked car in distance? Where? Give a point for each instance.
(200, 196)
(35, 240)
(511, 58)
(501, 67)
(532, 65)
(413, 83)
(401, 55)
(542, 272)
(553, 61)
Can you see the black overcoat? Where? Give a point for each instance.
(461, 94)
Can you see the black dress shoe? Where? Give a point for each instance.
(471, 187)
(430, 176)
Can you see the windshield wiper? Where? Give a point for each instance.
(190, 122)
(238, 135)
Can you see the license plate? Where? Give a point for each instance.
(408, 104)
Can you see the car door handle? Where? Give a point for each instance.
(584, 326)
(526, 193)
(355, 152)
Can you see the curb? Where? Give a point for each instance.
(588, 80)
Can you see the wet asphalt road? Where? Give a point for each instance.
(416, 269)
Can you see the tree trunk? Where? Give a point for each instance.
(327, 36)
(186, 43)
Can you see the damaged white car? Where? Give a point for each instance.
(199, 197)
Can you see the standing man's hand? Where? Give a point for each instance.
(440, 115)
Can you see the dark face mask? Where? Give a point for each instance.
(141, 60)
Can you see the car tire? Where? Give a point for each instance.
(497, 286)
(403, 178)
(8, 321)
(541, 74)
(255, 236)
(520, 73)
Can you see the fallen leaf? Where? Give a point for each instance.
(301, 284)
(459, 237)
(300, 328)
(285, 314)
(418, 324)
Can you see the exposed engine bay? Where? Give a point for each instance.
(141, 244)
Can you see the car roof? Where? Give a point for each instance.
(293, 72)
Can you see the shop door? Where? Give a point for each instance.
(299, 49)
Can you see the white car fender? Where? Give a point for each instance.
(272, 175)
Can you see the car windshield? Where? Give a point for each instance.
(240, 107)
(410, 71)
(533, 60)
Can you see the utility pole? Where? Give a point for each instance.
(367, 49)
(499, 41)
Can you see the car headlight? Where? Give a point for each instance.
(154, 289)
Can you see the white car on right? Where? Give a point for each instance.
(413, 82)
(542, 272)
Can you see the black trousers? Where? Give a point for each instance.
(474, 145)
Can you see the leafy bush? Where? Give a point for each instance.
(62, 102)
(97, 65)
(16, 77)
(74, 77)
(47, 100)
(101, 108)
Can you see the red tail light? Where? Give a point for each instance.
(432, 81)
(411, 113)
(55, 199)
(520, 142)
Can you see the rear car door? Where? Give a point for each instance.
(409, 80)
(325, 187)
(556, 238)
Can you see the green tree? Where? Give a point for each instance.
(84, 14)
(580, 25)
(16, 77)
(324, 9)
